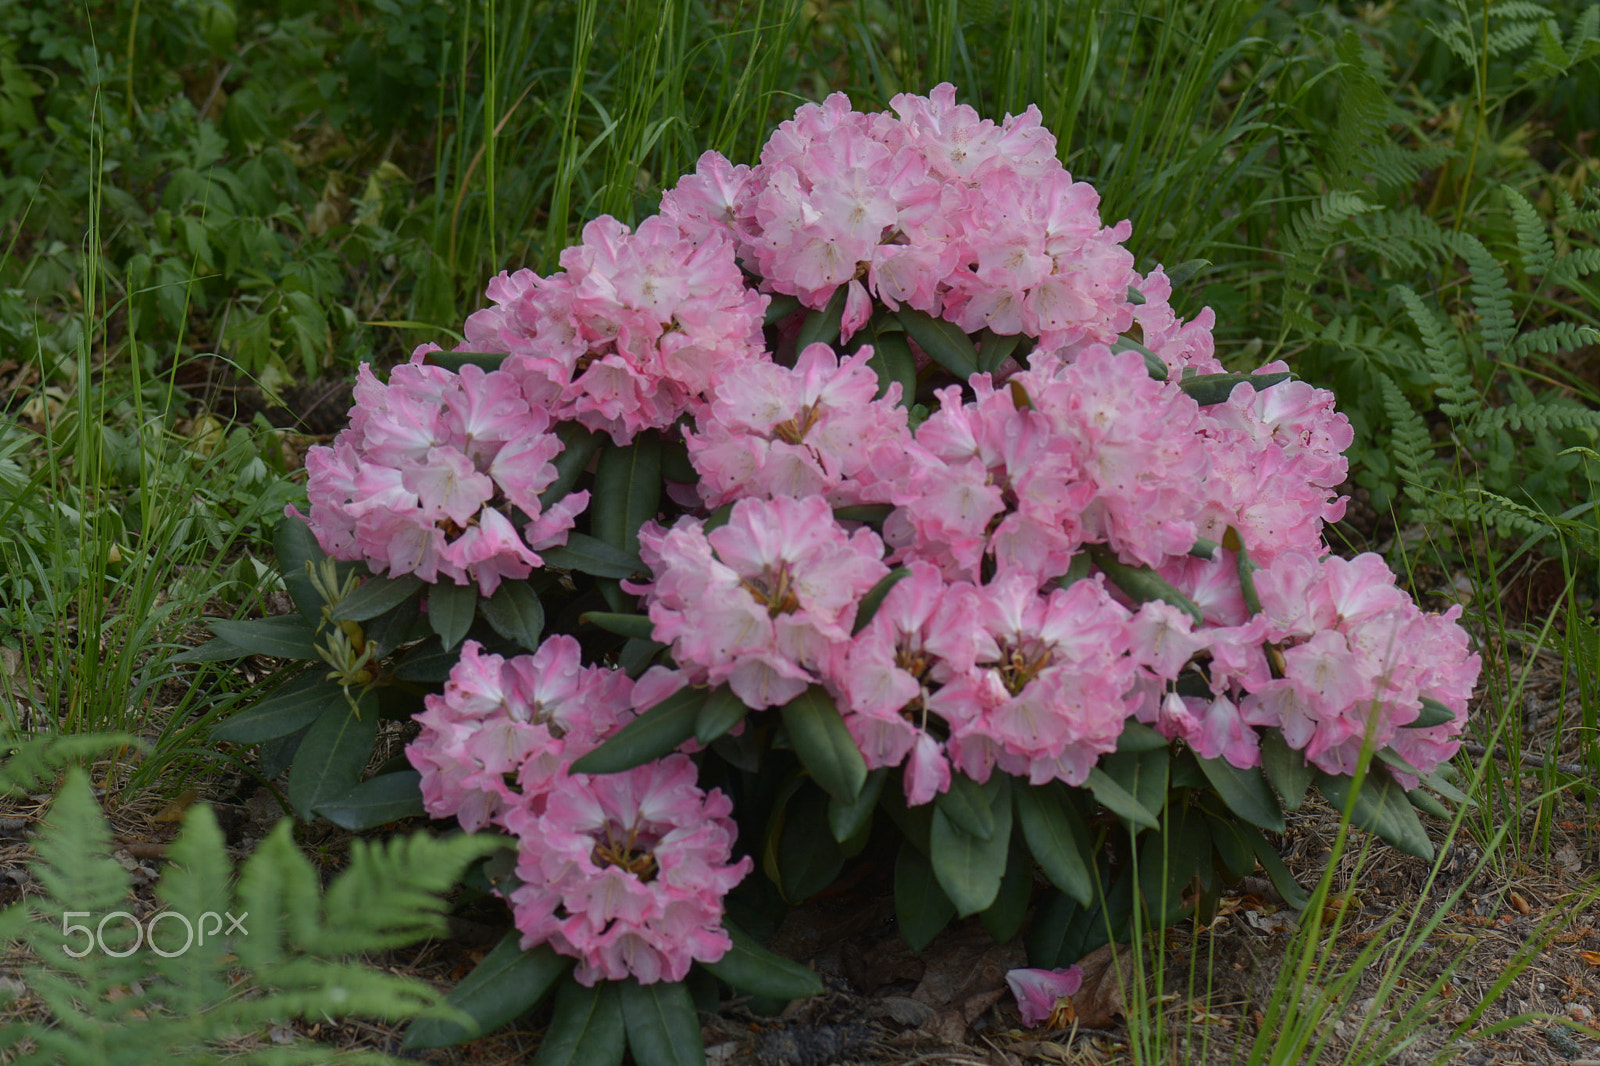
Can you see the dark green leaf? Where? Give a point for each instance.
(1204, 549)
(275, 755)
(514, 611)
(823, 325)
(914, 822)
(586, 1028)
(215, 650)
(1169, 859)
(579, 446)
(294, 706)
(1080, 567)
(1136, 737)
(636, 655)
(893, 362)
(1135, 297)
(505, 985)
(968, 867)
(1433, 713)
(1277, 872)
(1058, 839)
(944, 342)
(675, 464)
(921, 908)
(1286, 769)
(824, 745)
(587, 555)
(1154, 365)
(376, 801)
(429, 663)
(456, 360)
(636, 626)
(874, 598)
(627, 492)
(1427, 804)
(721, 711)
(808, 859)
(848, 819)
(1247, 568)
(1186, 271)
(1208, 389)
(662, 1027)
(282, 638)
(1143, 584)
(994, 349)
(873, 514)
(295, 545)
(450, 611)
(1118, 800)
(1380, 807)
(377, 595)
(654, 733)
(966, 803)
(781, 307)
(1245, 792)
(330, 760)
(751, 968)
(1004, 916)
(1233, 849)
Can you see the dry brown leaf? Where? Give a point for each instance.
(1107, 971)
(1590, 957)
(174, 811)
(1519, 904)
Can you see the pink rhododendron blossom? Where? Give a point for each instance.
(1039, 992)
(430, 470)
(762, 602)
(626, 872)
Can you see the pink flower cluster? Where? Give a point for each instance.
(624, 872)
(931, 207)
(632, 333)
(426, 476)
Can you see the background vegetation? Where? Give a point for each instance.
(210, 212)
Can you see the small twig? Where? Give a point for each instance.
(1527, 759)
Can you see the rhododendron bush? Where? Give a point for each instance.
(868, 493)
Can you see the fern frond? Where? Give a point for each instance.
(1311, 234)
(1584, 41)
(1533, 241)
(37, 757)
(1394, 166)
(1534, 416)
(1410, 444)
(1574, 265)
(1508, 516)
(1446, 357)
(1365, 107)
(1550, 57)
(1407, 236)
(1510, 38)
(1556, 337)
(1491, 298)
(1527, 11)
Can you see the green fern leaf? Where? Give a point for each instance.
(1410, 444)
(1491, 298)
(37, 758)
(1556, 337)
(1574, 265)
(1533, 242)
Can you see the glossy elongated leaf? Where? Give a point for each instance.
(635, 626)
(1427, 804)
(1208, 389)
(1144, 584)
(1118, 800)
(1286, 769)
(751, 968)
(1238, 858)
(332, 756)
(429, 663)
(1136, 737)
(662, 1027)
(823, 325)
(589, 555)
(505, 985)
(1433, 713)
(945, 342)
(282, 638)
(376, 801)
(637, 655)
(824, 745)
(1204, 549)
(921, 908)
(1245, 792)
(1169, 859)
(966, 803)
(847, 820)
(1185, 272)
(1277, 872)
(893, 362)
(456, 360)
(914, 822)
(1135, 297)
(450, 611)
(578, 447)
(1246, 568)
(807, 860)
(968, 867)
(1154, 365)
(675, 464)
(377, 595)
(295, 545)
(514, 611)
(215, 650)
(1380, 807)
(627, 491)
(1005, 915)
(654, 733)
(1058, 840)
(721, 711)
(995, 348)
(781, 307)
(874, 597)
(295, 705)
(586, 1028)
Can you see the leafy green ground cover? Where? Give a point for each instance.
(203, 201)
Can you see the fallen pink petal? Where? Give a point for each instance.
(1038, 991)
